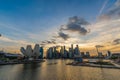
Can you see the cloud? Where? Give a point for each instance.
(116, 41)
(115, 10)
(63, 35)
(52, 41)
(75, 25)
(5, 39)
(112, 13)
(98, 46)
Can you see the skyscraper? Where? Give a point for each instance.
(82, 54)
(62, 51)
(87, 54)
(70, 53)
(76, 50)
(41, 52)
(65, 53)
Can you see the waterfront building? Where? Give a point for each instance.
(23, 51)
(41, 52)
(4, 55)
(82, 54)
(70, 53)
(65, 53)
(72, 49)
(100, 54)
(31, 53)
(109, 53)
(50, 53)
(87, 54)
(116, 55)
(76, 50)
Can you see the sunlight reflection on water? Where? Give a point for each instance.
(57, 71)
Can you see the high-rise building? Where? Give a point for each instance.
(62, 51)
(109, 53)
(100, 54)
(87, 54)
(65, 53)
(72, 50)
(76, 50)
(70, 53)
(82, 54)
(41, 52)
(50, 53)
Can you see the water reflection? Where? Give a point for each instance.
(28, 72)
(59, 71)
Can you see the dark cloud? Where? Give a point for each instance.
(48, 42)
(75, 25)
(63, 35)
(98, 46)
(116, 41)
(43, 42)
(42, 45)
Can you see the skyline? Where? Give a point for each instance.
(62, 22)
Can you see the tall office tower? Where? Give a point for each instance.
(65, 53)
(29, 51)
(72, 48)
(49, 53)
(36, 51)
(82, 54)
(54, 49)
(109, 53)
(100, 54)
(41, 52)
(76, 50)
(70, 53)
(87, 54)
(62, 50)
(54, 52)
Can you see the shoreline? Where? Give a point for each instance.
(22, 62)
(94, 65)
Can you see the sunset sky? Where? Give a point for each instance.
(60, 22)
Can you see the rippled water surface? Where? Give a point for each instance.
(58, 71)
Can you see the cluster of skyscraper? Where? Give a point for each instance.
(36, 53)
(53, 53)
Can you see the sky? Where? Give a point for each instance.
(59, 22)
